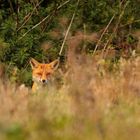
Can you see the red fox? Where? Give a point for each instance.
(41, 73)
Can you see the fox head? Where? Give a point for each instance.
(42, 72)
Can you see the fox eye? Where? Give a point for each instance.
(48, 74)
(39, 73)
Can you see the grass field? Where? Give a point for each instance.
(97, 100)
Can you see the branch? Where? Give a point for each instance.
(115, 29)
(67, 32)
(29, 15)
(103, 33)
(42, 20)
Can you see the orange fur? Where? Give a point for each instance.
(41, 73)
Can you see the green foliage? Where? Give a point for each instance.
(21, 35)
(15, 132)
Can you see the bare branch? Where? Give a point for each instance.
(29, 15)
(60, 6)
(67, 32)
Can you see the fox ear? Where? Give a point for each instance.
(54, 64)
(34, 63)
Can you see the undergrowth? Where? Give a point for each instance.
(92, 103)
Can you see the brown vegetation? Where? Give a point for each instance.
(98, 99)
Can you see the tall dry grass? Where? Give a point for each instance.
(98, 100)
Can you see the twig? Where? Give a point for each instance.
(84, 38)
(29, 15)
(106, 29)
(103, 33)
(11, 7)
(135, 21)
(67, 32)
(42, 21)
(17, 18)
(115, 29)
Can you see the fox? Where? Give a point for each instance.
(41, 73)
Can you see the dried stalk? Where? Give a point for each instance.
(67, 32)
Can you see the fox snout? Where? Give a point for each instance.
(44, 81)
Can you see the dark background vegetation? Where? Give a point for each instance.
(25, 31)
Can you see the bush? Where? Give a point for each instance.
(22, 39)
